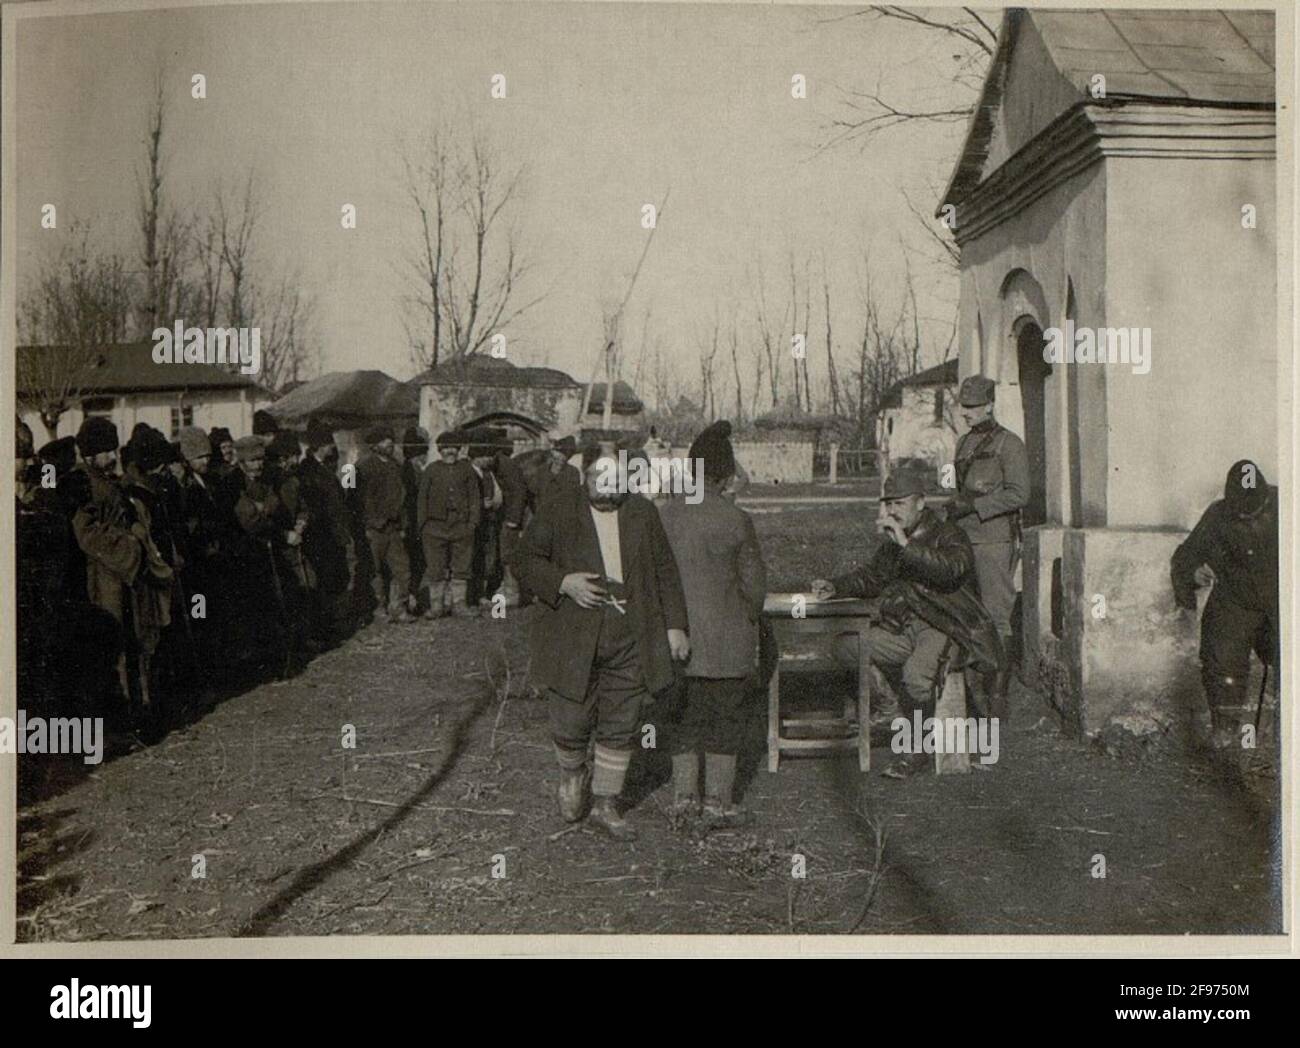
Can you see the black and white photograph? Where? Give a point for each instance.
(814, 472)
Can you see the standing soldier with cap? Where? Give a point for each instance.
(1233, 548)
(992, 488)
(383, 506)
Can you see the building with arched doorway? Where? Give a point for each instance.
(1118, 180)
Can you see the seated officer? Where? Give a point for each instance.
(924, 575)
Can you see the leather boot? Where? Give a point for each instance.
(605, 816)
(574, 794)
(999, 700)
(719, 782)
(1226, 697)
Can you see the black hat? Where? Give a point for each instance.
(480, 440)
(415, 439)
(62, 453)
(284, 445)
(1245, 488)
(379, 432)
(264, 424)
(149, 449)
(220, 435)
(450, 439)
(96, 436)
(714, 447)
(566, 446)
(318, 434)
(501, 439)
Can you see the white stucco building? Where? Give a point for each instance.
(1119, 172)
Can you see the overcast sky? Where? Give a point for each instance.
(608, 106)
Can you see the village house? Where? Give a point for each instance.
(533, 401)
(349, 402)
(124, 384)
(918, 417)
(1119, 171)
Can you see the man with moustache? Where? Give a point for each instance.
(612, 621)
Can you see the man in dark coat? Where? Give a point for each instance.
(448, 505)
(725, 580)
(415, 454)
(383, 507)
(327, 541)
(930, 615)
(125, 574)
(487, 553)
(1233, 548)
(613, 619)
(514, 512)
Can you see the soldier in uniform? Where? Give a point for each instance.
(924, 577)
(1233, 548)
(992, 488)
(448, 506)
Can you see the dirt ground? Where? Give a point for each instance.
(442, 818)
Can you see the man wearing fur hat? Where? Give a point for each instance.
(1233, 549)
(125, 574)
(613, 619)
(327, 541)
(448, 505)
(383, 504)
(487, 555)
(725, 581)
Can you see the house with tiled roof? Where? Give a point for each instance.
(1114, 203)
(917, 418)
(126, 385)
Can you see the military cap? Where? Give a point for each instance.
(249, 449)
(976, 391)
(902, 483)
(379, 432)
(96, 436)
(194, 443)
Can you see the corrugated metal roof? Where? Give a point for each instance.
(130, 368)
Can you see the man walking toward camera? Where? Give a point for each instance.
(613, 619)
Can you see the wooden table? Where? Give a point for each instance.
(799, 614)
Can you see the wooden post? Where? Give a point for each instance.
(774, 719)
(864, 701)
(835, 460)
(951, 704)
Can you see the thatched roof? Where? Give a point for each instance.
(348, 399)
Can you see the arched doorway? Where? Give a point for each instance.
(1033, 373)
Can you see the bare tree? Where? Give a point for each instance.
(468, 265)
(867, 112)
(79, 304)
(708, 353)
(165, 236)
(768, 336)
(832, 377)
